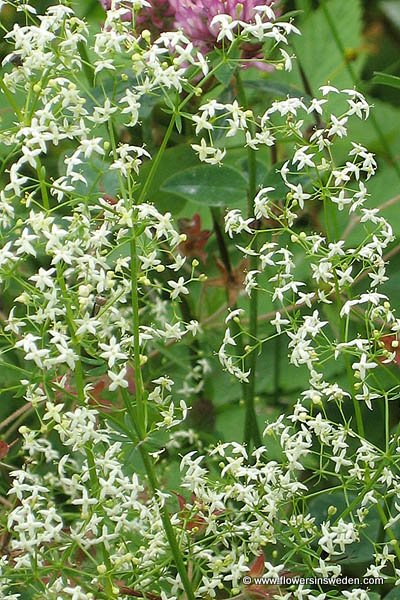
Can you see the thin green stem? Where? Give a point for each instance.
(141, 408)
(42, 183)
(387, 422)
(331, 230)
(157, 160)
(251, 429)
(221, 243)
(11, 100)
(141, 405)
(78, 371)
(179, 562)
(86, 64)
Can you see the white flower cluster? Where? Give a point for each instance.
(104, 290)
(335, 265)
(83, 299)
(251, 504)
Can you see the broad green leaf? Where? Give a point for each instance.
(394, 594)
(209, 185)
(276, 89)
(174, 160)
(385, 79)
(317, 50)
(228, 66)
(100, 178)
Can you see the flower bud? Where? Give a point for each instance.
(146, 35)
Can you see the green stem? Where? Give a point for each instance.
(42, 182)
(179, 562)
(141, 405)
(86, 64)
(331, 231)
(277, 370)
(11, 100)
(251, 429)
(387, 423)
(221, 243)
(157, 160)
(78, 372)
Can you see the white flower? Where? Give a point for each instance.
(234, 314)
(112, 352)
(278, 322)
(302, 158)
(92, 145)
(43, 278)
(226, 26)
(363, 366)
(178, 288)
(287, 58)
(209, 154)
(234, 223)
(338, 127)
(261, 203)
(250, 281)
(327, 89)
(117, 379)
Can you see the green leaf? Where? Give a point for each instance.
(385, 79)
(317, 50)
(226, 70)
(209, 185)
(174, 160)
(100, 178)
(276, 89)
(394, 594)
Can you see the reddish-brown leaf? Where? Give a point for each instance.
(4, 448)
(196, 239)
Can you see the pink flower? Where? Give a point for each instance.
(194, 17)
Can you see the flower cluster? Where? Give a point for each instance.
(114, 512)
(201, 20)
(334, 263)
(115, 495)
